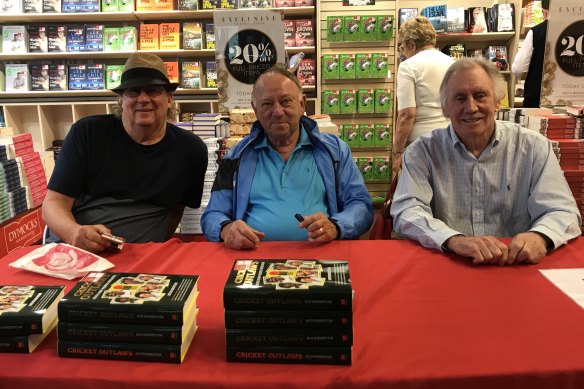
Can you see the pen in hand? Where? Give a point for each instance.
(299, 217)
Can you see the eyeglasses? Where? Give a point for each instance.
(151, 91)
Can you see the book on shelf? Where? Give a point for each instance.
(57, 77)
(289, 33)
(190, 74)
(127, 333)
(109, 5)
(454, 50)
(24, 343)
(455, 19)
(130, 298)
(77, 76)
(498, 56)
(304, 32)
(210, 74)
(38, 41)
(405, 14)
(172, 71)
(163, 5)
(306, 72)
(239, 337)
(14, 39)
(209, 35)
(192, 36)
(149, 36)
(39, 77)
(436, 14)
(279, 354)
(254, 4)
(57, 38)
(111, 39)
(287, 319)
(93, 37)
(51, 6)
(169, 36)
(294, 284)
(505, 17)
(188, 5)
(11, 7)
(128, 41)
(477, 20)
(145, 352)
(95, 76)
(28, 309)
(17, 77)
(76, 38)
(283, 3)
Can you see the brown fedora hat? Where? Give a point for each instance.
(144, 69)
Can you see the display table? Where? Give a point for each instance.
(421, 319)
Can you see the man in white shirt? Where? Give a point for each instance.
(529, 59)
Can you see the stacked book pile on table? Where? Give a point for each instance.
(27, 315)
(129, 316)
(571, 156)
(289, 311)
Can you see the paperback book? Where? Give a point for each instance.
(405, 14)
(139, 298)
(287, 319)
(303, 355)
(290, 283)
(288, 337)
(436, 14)
(24, 343)
(26, 310)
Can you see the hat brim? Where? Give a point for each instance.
(137, 82)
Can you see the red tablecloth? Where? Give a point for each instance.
(421, 318)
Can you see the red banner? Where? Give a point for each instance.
(23, 230)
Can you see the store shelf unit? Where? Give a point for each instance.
(49, 115)
(326, 8)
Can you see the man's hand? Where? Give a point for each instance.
(89, 237)
(320, 228)
(528, 247)
(238, 235)
(481, 249)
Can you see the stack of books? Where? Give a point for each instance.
(129, 316)
(27, 315)
(289, 311)
(555, 126)
(207, 125)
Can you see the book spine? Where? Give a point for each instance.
(239, 299)
(288, 319)
(119, 333)
(82, 312)
(288, 337)
(299, 355)
(14, 344)
(120, 351)
(16, 327)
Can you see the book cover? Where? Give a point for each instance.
(229, 4)
(109, 5)
(169, 36)
(57, 77)
(302, 355)
(145, 352)
(379, 66)
(192, 35)
(38, 41)
(294, 284)
(365, 100)
(128, 41)
(210, 4)
(254, 4)
(24, 343)
(145, 5)
(32, 6)
(289, 33)
(14, 39)
(455, 50)
(77, 77)
(306, 72)
(17, 77)
(75, 38)
(51, 6)
(346, 66)
(163, 5)
(383, 100)
(129, 298)
(498, 55)
(477, 22)
(127, 333)
(505, 16)
(149, 36)
(287, 319)
(94, 37)
(385, 27)
(436, 14)
(188, 5)
(125, 5)
(405, 14)
(369, 29)
(576, 110)
(95, 76)
(209, 36)
(238, 337)
(172, 71)
(111, 39)
(363, 62)
(11, 7)
(28, 309)
(191, 74)
(348, 101)
(39, 77)
(335, 28)
(455, 19)
(57, 38)
(351, 26)
(113, 76)
(304, 32)
(211, 74)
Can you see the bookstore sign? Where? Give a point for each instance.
(248, 43)
(563, 72)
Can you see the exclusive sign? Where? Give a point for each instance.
(563, 69)
(249, 42)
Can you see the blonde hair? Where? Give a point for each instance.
(417, 30)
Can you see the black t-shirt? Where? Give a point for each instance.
(129, 187)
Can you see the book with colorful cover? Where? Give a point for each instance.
(455, 19)
(291, 354)
(192, 35)
(239, 337)
(138, 298)
(298, 284)
(145, 352)
(209, 36)
(28, 309)
(169, 36)
(287, 319)
(127, 333)
(437, 15)
(24, 343)
(149, 36)
(405, 14)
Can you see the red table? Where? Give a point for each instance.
(421, 319)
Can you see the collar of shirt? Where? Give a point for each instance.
(303, 141)
(458, 145)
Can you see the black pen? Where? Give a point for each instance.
(299, 217)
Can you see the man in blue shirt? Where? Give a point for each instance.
(479, 179)
(284, 167)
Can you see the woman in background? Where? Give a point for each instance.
(418, 81)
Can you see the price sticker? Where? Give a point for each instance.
(248, 54)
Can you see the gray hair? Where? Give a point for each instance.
(499, 84)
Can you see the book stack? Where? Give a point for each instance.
(206, 125)
(555, 126)
(27, 315)
(289, 311)
(240, 121)
(129, 316)
(575, 178)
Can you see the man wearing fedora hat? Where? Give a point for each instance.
(128, 174)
